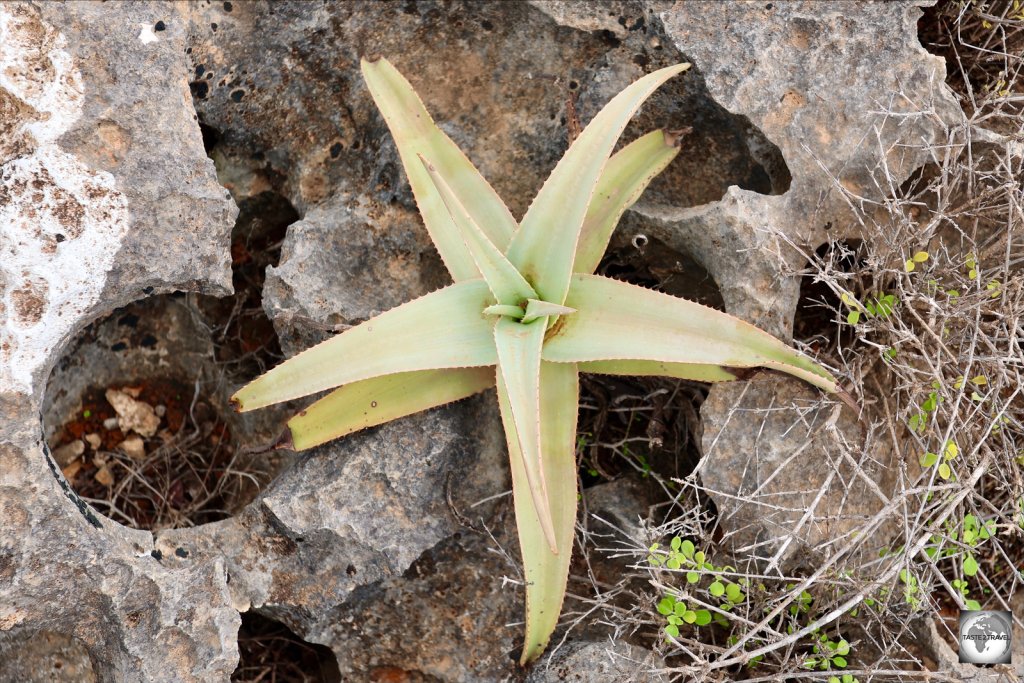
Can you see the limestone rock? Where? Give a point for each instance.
(107, 195)
(597, 662)
(850, 97)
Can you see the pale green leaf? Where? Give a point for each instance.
(541, 309)
(653, 368)
(616, 320)
(415, 133)
(444, 329)
(545, 247)
(505, 282)
(504, 309)
(375, 401)
(518, 375)
(623, 180)
(547, 572)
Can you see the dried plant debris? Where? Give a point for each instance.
(270, 652)
(153, 455)
(920, 301)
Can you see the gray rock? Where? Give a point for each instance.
(599, 662)
(106, 195)
(344, 262)
(790, 471)
(851, 98)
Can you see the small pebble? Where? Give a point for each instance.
(160, 410)
(71, 470)
(110, 424)
(93, 440)
(134, 447)
(104, 476)
(68, 453)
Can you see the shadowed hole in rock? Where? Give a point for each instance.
(820, 313)
(136, 412)
(269, 651)
(44, 657)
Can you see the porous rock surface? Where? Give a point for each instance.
(107, 195)
(851, 98)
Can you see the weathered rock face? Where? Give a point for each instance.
(849, 95)
(107, 195)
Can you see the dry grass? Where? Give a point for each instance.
(941, 373)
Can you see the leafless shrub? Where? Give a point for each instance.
(927, 321)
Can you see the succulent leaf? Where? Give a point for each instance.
(518, 379)
(620, 321)
(653, 368)
(544, 248)
(444, 329)
(415, 133)
(554, 321)
(541, 309)
(627, 175)
(547, 572)
(378, 400)
(505, 282)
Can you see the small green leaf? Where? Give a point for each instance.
(840, 662)
(514, 312)
(690, 616)
(541, 309)
(921, 256)
(842, 648)
(692, 577)
(733, 593)
(972, 605)
(929, 459)
(666, 605)
(909, 265)
(970, 565)
(945, 471)
(853, 317)
(717, 589)
(703, 617)
(672, 630)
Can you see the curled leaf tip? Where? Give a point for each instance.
(284, 442)
(674, 137)
(236, 404)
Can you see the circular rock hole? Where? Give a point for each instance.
(44, 656)
(136, 412)
(270, 651)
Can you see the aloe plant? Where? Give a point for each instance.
(525, 314)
